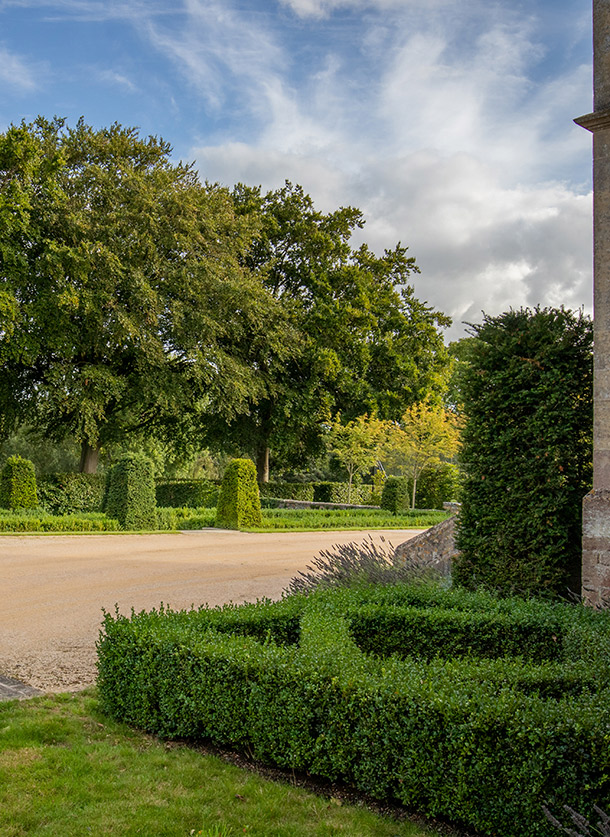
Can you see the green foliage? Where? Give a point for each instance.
(239, 503)
(18, 484)
(379, 478)
(396, 495)
(36, 520)
(131, 492)
(437, 485)
(69, 493)
(527, 450)
(121, 277)
(182, 492)
(517, 720)
(357, 339)
(287, 490)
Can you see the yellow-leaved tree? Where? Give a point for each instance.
(426, 435)
(358, 445)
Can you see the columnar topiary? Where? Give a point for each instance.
(130, 496)
(395, 496)
(527, 450)
(239, 503)
(18, 484)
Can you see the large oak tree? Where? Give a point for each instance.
(361, 341)
(125, 298)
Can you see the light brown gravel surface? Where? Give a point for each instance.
(54, 587)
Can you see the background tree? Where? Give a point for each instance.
(357, 445)
(426, 435)
(527, 451)
(124, 301)
(360, 341)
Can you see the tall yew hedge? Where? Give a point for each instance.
(527, 451)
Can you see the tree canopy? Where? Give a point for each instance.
(124, 298)
(361, 341)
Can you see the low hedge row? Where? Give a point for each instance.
(39, 521)
(481, 742)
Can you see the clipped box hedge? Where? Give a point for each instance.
(18, 484)
(130, 492)
(239, 502)
(480, 741)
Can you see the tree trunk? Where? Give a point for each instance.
(414, 490)
(262, 464)
(89, 457)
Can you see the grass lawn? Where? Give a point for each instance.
(171, 520)
(67, 770)
(304, 520)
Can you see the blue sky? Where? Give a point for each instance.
(448, 122)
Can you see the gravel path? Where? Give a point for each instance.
(55, 587)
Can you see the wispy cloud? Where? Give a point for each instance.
(16, 72)
(118, 79)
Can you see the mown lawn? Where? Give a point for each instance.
(67, 770)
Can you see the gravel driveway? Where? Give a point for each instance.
(55, 587)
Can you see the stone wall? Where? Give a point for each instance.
(435, 547)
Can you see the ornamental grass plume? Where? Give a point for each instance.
(346, 565)
(585, 829)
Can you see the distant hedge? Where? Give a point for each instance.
(71, 493)
(482, 740)
(179, 493)
(287, 490)
(18, 484)
(337, 492)
(527, 451)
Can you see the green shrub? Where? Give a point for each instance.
(396, 496)
(71, 493)
(527, 450)
(130, 495)
(480, 742)
(287, 490)
(186, 493)
(239, 502)
(18, 484)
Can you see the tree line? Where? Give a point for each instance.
(137, 301)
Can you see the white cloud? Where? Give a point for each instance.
(226, 57)
(321, 8)
(112, 77)
(16, 72)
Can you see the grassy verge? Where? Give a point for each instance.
(172, 520)
(66, 770)
(312, 519)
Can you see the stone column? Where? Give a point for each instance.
(596, 505)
